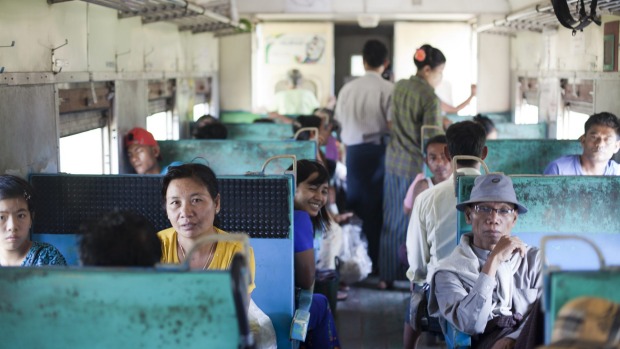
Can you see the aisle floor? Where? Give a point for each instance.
(373, 319)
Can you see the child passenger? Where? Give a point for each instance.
(437, 163)
(16, 214)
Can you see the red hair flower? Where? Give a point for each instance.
(419, 55)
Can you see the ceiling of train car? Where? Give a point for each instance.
(511, 15)
(348, 10)
(222, 16)
(541, 16)
(209, 16)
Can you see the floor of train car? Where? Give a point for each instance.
(373, 319)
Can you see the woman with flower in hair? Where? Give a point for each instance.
(16, 213)
(414, 103)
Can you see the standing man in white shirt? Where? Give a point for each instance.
(363, 110)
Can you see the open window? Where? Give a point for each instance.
(162, 121)
(202, 101)
(84, 110)
(526, 110)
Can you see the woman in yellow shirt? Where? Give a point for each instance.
(192, 201)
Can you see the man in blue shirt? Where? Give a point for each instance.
(600, 142)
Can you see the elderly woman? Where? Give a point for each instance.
(16, 214)
(192, 201)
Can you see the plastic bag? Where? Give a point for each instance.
(355, 265)
(261, 327)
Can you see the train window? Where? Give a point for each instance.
(200, 110)
(526, 109)
(570, 124)
(82, 153)
(202, 97)
(163, 125)
(83, 115)
(162, 121)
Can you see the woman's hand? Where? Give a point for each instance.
(504, 343)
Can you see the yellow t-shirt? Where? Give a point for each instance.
(224, 252)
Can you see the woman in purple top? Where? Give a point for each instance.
(16, 214)
(310, 215)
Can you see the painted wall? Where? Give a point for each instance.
(100, 47)
(236, 72)
(453, 39)
(97, 41)
(493, 71)
(31, 146)
(274, 60)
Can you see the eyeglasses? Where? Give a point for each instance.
(504, 212)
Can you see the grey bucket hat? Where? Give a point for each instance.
(494, 187)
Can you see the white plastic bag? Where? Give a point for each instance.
(261, 328)
(355, 265)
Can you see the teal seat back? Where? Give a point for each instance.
(261, 206)
(563, 205)
(238, 116)
(507, 130)
(563, 286)
(49, 307)
(259, 132)
(231, 157)
(527, 156)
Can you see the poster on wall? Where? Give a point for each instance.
(295, 48)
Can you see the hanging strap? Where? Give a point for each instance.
(562, 12)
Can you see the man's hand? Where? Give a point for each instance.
(502, 252)
(504, 343)
(506, 247)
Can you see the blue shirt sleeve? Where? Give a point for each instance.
(552, 168)
(303, 232)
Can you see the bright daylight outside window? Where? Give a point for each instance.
(200, 110)
(570, 125)
(163, 126)
(82, 153)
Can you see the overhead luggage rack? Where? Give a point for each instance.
(541, 17)
(211, 16)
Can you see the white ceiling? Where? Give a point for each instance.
(347, 10)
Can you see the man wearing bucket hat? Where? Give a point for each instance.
(488, 284)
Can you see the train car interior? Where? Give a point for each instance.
(256, 90)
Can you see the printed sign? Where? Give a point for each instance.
(295, 48)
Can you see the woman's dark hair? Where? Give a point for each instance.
(12, 187)
(305, 169)
(306, 121)
(428, 55)
(213, 130)
(336, 127)
(120, 238)
(487, 123)
(199, 172)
